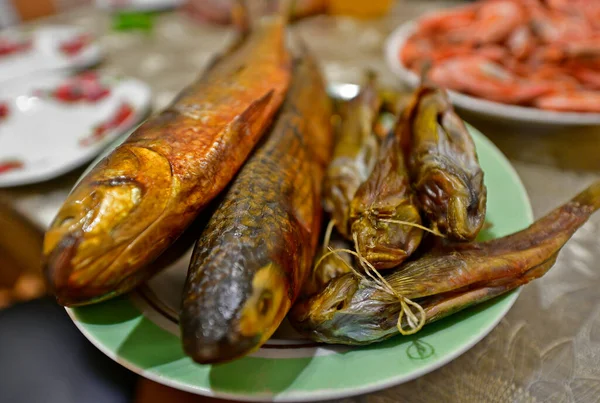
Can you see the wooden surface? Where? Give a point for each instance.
(20, 250)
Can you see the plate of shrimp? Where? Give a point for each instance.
(527, 61)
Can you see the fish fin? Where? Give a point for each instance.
(303, 214)
(590, 196)
(246, 119)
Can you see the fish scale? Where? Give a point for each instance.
(273, 216)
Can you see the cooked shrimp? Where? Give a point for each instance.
(441, 21)
(555, 77)
(494, 23)
(417, 47)
(484, 78)
(521, 42)
(574, 101)
(588, 9)
(494, 53)
(552, 26)
(588, 47)
(589, 77)
(512, 51)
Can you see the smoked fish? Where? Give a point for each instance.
(142, 196)
(253, 257)
(451, 277)
(443, 165)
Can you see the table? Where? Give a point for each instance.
(548, 346)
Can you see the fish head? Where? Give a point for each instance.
(99, 220)
(383, 243)
(453, 200)
(373, 242)
(233, 317)
(81, 228)
(449, 180)
(347, 311)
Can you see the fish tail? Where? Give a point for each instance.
(590, 197)
(279, 8)
(556, 227)
(240, 17)
(508, 258)
(440, 306)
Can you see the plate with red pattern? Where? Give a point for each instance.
(52, 123)
(46, 48)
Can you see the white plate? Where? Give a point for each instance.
(45, 52)
(47, 137)
(138, 5)
(496, 110)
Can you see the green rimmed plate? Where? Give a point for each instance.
(140, 331)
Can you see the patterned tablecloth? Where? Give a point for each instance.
(548, 346)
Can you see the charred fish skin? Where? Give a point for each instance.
(250, 262)
(450, 278)
(141, 197)
(443, 165)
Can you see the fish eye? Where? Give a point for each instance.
(341, 305)
(264, 303)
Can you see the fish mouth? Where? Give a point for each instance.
(381, 246)
(220, 351)
(58, 269)
(313, 313)
(349, 327)
(452, 201)
(209, 326)
(356, 319)
(224, 317)
(75, 280)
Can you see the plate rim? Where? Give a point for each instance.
(325, 394)
(92, 56)
(396, 40)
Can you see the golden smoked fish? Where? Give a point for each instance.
(142, 196)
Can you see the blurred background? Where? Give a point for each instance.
(123, 59)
